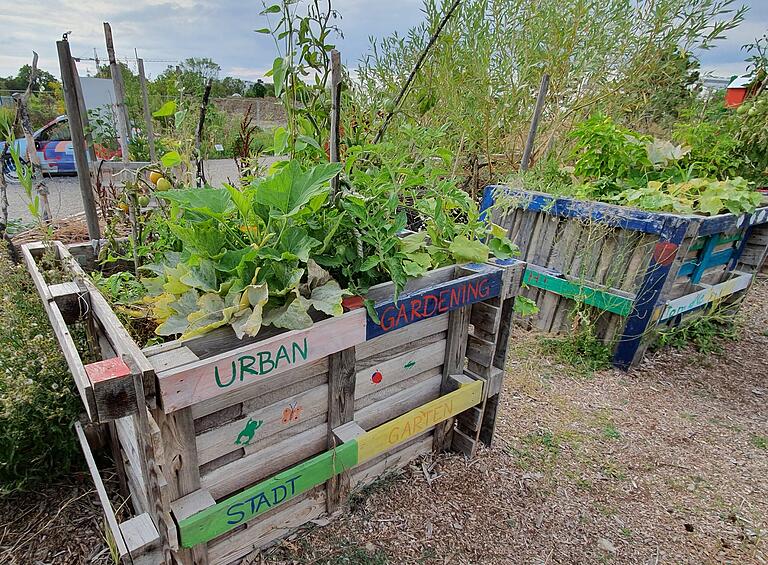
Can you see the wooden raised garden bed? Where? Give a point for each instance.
(638, 270)
(227, 445)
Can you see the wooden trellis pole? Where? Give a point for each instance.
(147, 111)
(78, 138)
(123, 123)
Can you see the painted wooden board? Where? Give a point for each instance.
(261, 423)
(209, 378)
(392, 371)
(258, 499)
(483, 284)
(243, 507)
(602, 299)
(395, 432)
(705, 296)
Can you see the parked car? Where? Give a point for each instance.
(53, 143)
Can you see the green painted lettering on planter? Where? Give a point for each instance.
(240, 508)
(601, 299)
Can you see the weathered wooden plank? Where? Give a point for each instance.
(480, 350)
(386, 291)
(253, 501)
(483, 283)
(375, 377)
(271, 459)
(263, 393)
(411, 383)
(485, 317)
(142, 540)
(269, 527)
(263, 360)
(612, 302)
(172, 358)
(341, 408)
(390, 462)
(392, 406)
(401, 339)
(261, 423)
(112, 384)
(102, 492)
(706, 296)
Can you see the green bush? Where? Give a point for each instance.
(38, 404)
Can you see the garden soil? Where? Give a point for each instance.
(668, 464)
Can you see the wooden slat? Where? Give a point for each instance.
(142, 540)
(209, 378)
(400, 339)
(396, 404)
(389, 462)
(270, 460)
(271, 526)
(706, 296)
(396, 369)
(340, 405)
(265, 392)
(241, 432)
(109, 513)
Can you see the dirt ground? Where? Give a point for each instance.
(667, 464)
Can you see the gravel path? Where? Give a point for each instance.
(64, 192)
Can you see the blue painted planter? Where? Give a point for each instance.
(652, 258)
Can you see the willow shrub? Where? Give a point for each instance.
(38, 403)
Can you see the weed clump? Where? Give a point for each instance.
(37, 401)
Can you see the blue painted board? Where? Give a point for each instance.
(411, 307)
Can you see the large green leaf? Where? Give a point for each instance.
(213, 312)
(292, 316)
(204, 238)
(466, 251)
(249, 320)
(165, 110)
(213, 202)
(202, 276)
(296, 243)
(327, 298)
(178, 322)
(290, 189)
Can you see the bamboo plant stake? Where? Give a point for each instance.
(199, 134)
(535, 122)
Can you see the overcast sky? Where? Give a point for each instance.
(168, 31)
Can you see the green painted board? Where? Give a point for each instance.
(240, 508)
(722, 238)
(601, 299)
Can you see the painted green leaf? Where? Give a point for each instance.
(288, 190)
(291, 316)
(466, 251)
(170, 159)
(165, 110)
(327, 298)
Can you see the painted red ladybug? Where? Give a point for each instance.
(376, 377)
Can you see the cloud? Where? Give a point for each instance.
(168, 31)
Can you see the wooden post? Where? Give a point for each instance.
(84, 115)
(335, 114)
(199, 134)
(123, 123)
(455, 351)
(78, 139)
(341, 410)
(633, 343)
(147, 111)
(535, 122)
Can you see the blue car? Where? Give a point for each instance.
(53, 143)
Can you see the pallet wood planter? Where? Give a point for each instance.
(635, 270)
(226, 445)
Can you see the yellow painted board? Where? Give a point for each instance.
(394, 432)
